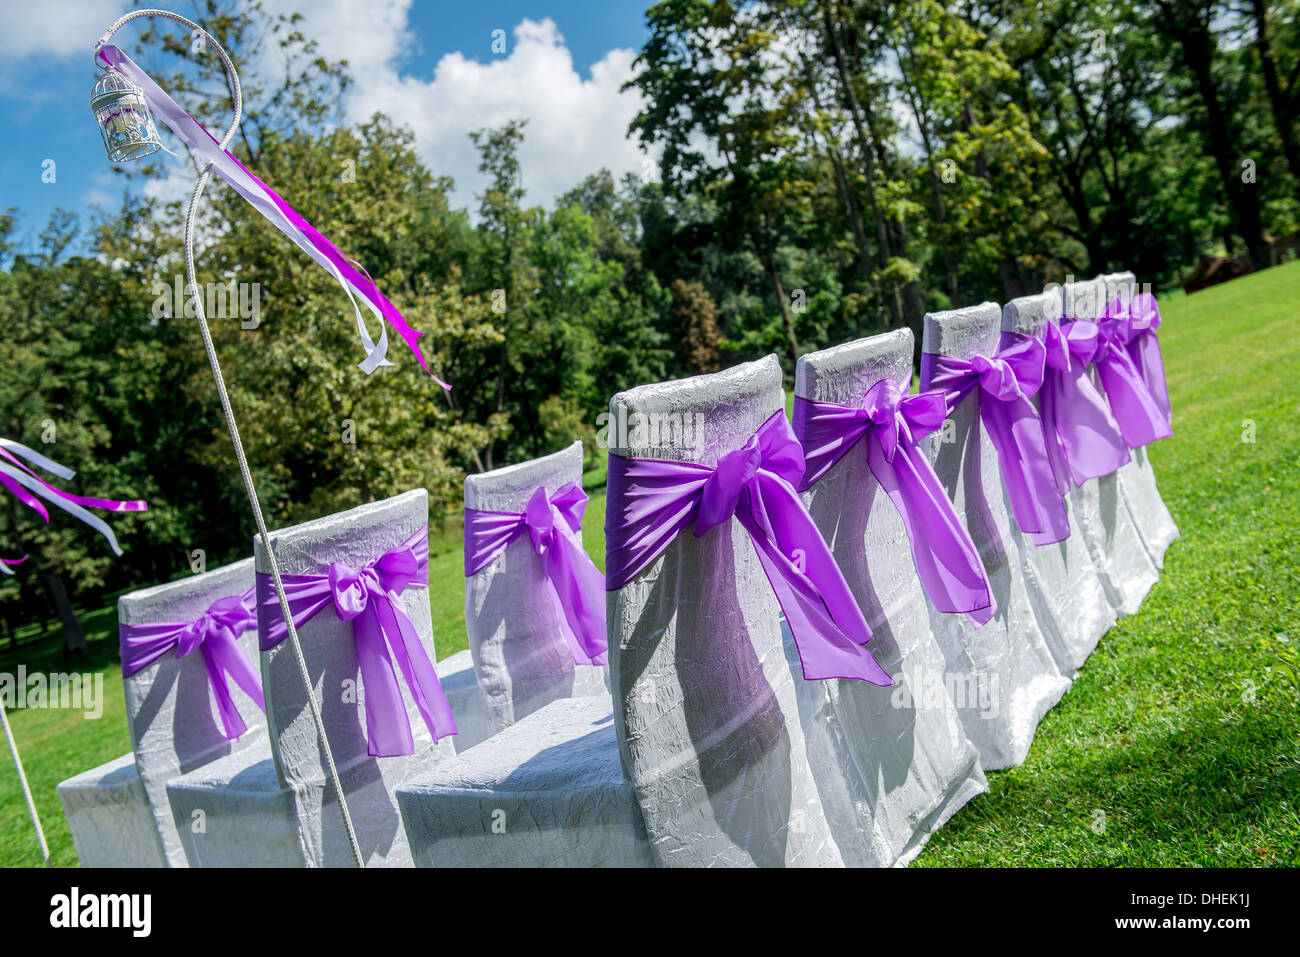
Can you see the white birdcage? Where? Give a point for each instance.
(124, 119)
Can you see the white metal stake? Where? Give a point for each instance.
(22, 779)
(233, 81)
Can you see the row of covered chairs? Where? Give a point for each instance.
(721, 704)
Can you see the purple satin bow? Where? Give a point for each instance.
(214, 634)
(1083, 438)
(1004, 383)
(1143, 418)
(370, 598)
(650, 501)
(892, 423)
(553, 524)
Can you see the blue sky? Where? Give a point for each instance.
(429, 63)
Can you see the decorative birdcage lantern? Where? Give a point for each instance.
(124, 119)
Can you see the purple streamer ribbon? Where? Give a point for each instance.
(1083, 438)
(29, 488)
(553, 524)
(893, 422)
(650, 501)
(214, 634)
(1004, 384)
(1143, 418)
(283, 216)
(370, 598)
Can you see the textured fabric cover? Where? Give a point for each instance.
(890, 765)
(111, 822)
(240, 801)
(1101, 508)
(704, 701)
(1137, 480)
(547, 791)
(1070, 600)
(511, 616)
(1002, 676)
(172, 715)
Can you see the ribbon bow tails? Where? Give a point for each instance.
(214, 634)
(554, 526)
(1144, 349)
(29, 488)
(893, 423)
(1005, 382)
(383, 633)
(651, 501)
(1141, 418)
(1083, 438)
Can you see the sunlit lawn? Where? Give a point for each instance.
(1180, 742)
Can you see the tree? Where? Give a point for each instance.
(696, 320)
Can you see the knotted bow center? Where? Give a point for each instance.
(352, 590)
(722, 489)
(996, 377)
(895, 413)
(228, 615)
(540, 516)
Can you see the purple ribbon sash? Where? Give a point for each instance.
(650, 501)
(1144, 348)
(29, 488)
(1143, 418)
(553, 524)
(370, 598)
(214, 634)
(893, 422)
(1004, 384)
(1083, 438)
(283, 216)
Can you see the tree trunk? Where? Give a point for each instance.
(845, 187)
(1281, 101)
(74, 636)
(1192, 34)
(769, 267)
(864, 151)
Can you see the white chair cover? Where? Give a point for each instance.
(1071, 602)
(511, 613)
(1123, 564)
(891, 766)
(109, 815)
(1002, 675)
(280, 809)
(1138, 479)
(118, 813)
(705, 706)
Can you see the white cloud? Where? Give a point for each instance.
(71, 26)
(575, 125)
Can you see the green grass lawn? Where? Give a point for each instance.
(1179, 745)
